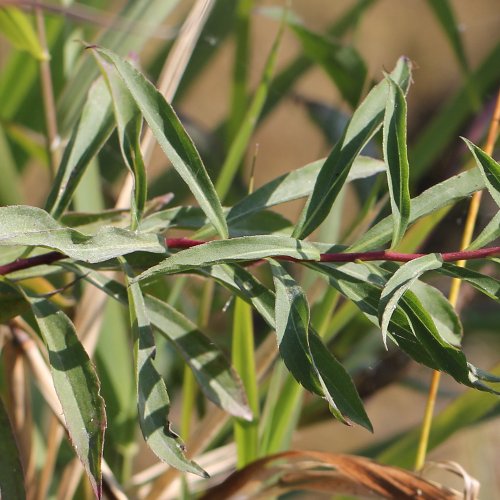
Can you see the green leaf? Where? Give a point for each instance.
(396, 157)
(488, 234)
(17, 28)
(11, 470)
(305, 355)
(92, 131)
(342, 63)
(233, 250)
(399, 283)
(214, 374)
(485, 284)
(411, 326)
(129, 126)
(436, 197)
(31, 226)
(76, 384)
(10, 186)
(364, 123)
(489, 168)
(173, 139)
(152, 398)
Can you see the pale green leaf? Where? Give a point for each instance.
(30, 226)
(233, 250)
(490, 233)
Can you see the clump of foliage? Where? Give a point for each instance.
(72, 268)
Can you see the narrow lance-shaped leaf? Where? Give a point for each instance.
(152, 398)
(396, 158)
(364, 123)
(399, 283)
(92, 131)
(233, 250)
(305, 355)
(11, 470)
(489, 168)
(217, 380)
(129, 125)
(443, 194)
(488, 234)
(30, 226)
(76, 385)
(172, 137)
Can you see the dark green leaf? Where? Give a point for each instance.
(396, 157)
(305, 355)
(399, 283)
(172, 137)
(76, 385)
(364, 123)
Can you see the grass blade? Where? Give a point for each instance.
(172, 138)
(152, 397)
(364, 123)
(245, 433)
(396, 157)
(240, 142)
(17, 28)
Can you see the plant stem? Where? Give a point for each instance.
(185, 243)
(48, 96)
(455, 292)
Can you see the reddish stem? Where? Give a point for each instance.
(184, 243)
